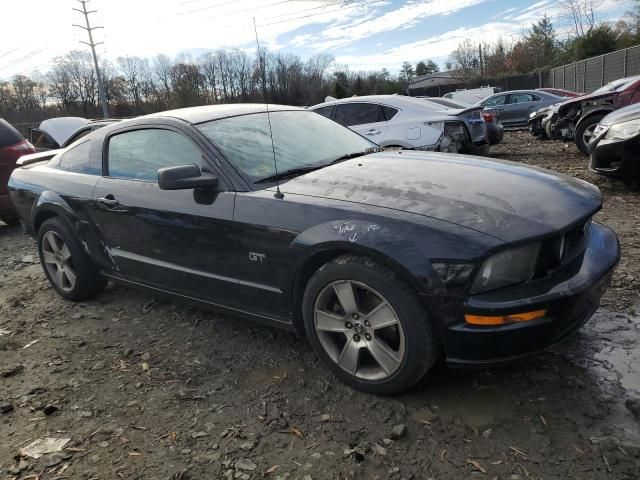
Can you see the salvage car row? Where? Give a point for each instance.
(604, 124)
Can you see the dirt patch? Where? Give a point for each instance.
(148, 388)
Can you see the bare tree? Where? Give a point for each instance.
(581, 15)
(465, 59)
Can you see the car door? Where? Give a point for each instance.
(174, 240)
(365, 118)
(496, 103)
(519, 107)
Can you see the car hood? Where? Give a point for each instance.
(506, 200)
(632, 112)
(585, 99)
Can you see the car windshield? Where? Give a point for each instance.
(616, 85)
(301, 139)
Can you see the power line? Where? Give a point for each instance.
(209, 7)
(371, 2)
(312, 8)
(92, 44)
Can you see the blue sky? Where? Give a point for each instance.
(364, 34)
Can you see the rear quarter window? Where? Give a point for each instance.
(8, 134)
(324, 111)
(389, 112)
(78, 159)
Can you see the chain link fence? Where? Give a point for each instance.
(590, 74)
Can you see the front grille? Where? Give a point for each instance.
(561, 250)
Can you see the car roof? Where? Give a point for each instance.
(207, 113)
(394, 100)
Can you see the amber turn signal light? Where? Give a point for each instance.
(504, 319)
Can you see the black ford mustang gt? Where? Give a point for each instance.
(383, 259)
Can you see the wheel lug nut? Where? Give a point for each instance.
(355, 316)
(366, 322)
(348, 325)
(356, 338)
(367, 336)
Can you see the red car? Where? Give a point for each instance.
(561, 92)
(12, 146)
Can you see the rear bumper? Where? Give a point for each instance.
(570, 298)
(616, 158)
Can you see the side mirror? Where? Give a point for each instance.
(185, 177)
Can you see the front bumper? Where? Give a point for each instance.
(616, 158)
(570, 296)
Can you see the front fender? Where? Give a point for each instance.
(374, 240)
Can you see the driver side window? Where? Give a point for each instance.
(139, 154)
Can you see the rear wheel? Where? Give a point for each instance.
(68, 268)
(368, 326)
(584, 132)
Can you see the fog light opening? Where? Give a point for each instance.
(504, 319)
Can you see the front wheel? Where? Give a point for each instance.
(368, 326)
(584, 132)
(68, 268)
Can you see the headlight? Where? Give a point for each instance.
(509, 267)
(624, 130)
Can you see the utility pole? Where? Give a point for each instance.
(92, 44)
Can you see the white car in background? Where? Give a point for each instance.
(406, 122)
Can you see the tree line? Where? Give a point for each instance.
(136, 85)
(541, 47)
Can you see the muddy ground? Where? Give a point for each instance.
(149, 388)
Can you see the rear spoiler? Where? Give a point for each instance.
(25, 160)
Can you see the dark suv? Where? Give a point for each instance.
(12, 146)
(577, 118)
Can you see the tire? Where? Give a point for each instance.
(548, 132)
(408, 346)
(11, 220)
(60, 251)
(581, 131)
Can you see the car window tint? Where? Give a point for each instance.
(520, 98)
(498, 100)
(349, 114)
(389, 112)
(324, 111)
(139, 154)
(77, 158)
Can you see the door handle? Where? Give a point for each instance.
(373, 132)
(109, 201)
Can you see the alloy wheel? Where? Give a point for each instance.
(588, 133)
(58, 262)
(359, 330)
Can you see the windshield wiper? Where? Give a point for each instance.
(292, 172)
(356, 154)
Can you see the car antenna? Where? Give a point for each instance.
(279, 195)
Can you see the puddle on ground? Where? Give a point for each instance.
(626, 364)
(461, 396)
(620, 356)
